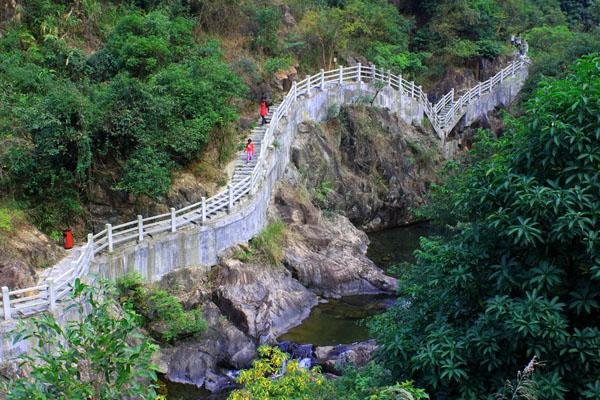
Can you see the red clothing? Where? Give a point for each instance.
(264, 110)
(250, 148)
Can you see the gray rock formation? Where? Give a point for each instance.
(327, 254)
(264, 301)
(366, 164)
(204, 361)
(335, 358)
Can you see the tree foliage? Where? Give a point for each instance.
(274, 376)
(521, 275)
(102, 356)
(147, 101)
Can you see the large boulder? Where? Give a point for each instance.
(326, 253)
(263, 300)
(204, 361)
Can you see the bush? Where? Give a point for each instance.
(276, 64)
(161, 310)
(102, 356)
(520, 275)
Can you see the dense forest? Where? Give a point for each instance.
(504, 306)
(125, 93)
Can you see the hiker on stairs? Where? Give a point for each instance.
(264, 110)
(249, 151)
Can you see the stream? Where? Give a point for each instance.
(339, 321)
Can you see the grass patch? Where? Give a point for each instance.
(10, 218)
(160, 309)
(268, 244)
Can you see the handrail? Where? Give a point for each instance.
(44, 296)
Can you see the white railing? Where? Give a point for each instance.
(43, 297)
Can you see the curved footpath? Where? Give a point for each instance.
(198, 233)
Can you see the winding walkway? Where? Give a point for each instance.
(55, 283)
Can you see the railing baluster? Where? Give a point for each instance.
(341, 74)
(230, 190)
(322, 79)
(109, 237)
(308, 85)
(51, 294)
(359, 73)
(204, 209)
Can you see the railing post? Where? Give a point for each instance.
(322, 79)
(308, 85)
(412, 89)
(373, 72)
(389, 77)
(204, 207)
(294, 90)
(341, 75)
(109, 237)
(91, 245)
(140, 228)
(479, 89)
(359, 73)
(51, 294)
(6, 303)
(230, 190)
(173, 220)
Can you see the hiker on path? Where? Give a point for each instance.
(264, 110)
(249, 150)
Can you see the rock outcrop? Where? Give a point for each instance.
(263, 300)
(367, 164)
(23, 253)
(335, 358)
(326, 253)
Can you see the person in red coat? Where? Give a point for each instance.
(264, 110)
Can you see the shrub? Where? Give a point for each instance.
(102, 356)
(276, 64)
(519, 277)
(161, 310)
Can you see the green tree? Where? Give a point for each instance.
(520, 277)
(102, 356)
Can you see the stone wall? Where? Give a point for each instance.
(501, 96)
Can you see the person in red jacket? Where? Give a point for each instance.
(249, 150)
(264, 110)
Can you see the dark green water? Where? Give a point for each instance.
(393, 246)
(180, 391)
(339, 321)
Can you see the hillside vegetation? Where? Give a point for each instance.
(125, 93)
